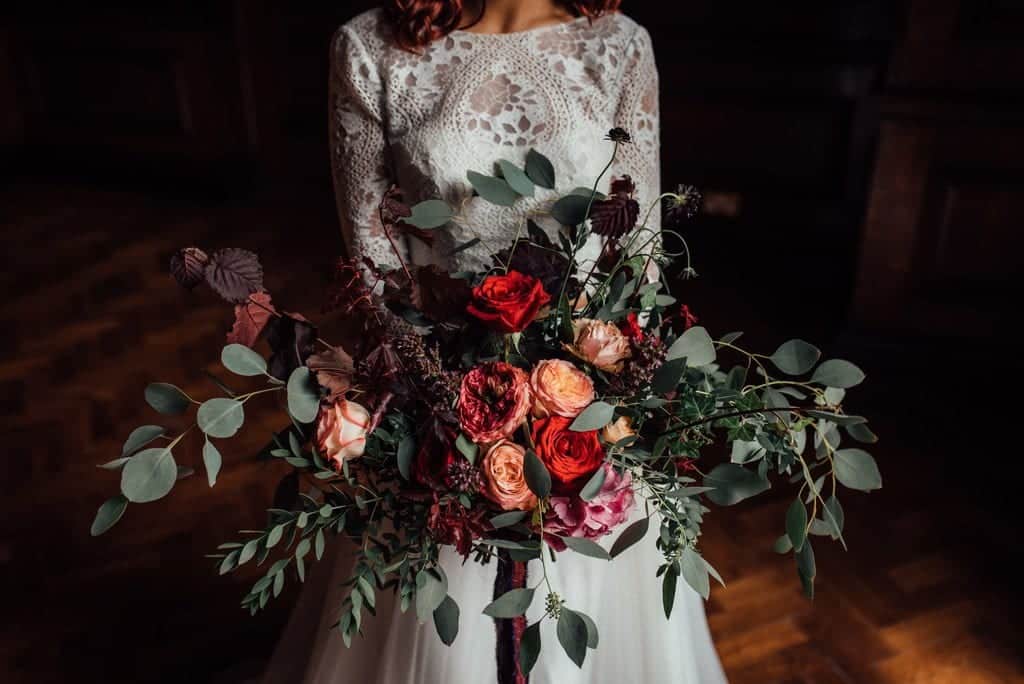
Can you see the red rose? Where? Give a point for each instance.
(493, 401)
(508, 302)
(571, 457)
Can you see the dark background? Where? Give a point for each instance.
(863, 162)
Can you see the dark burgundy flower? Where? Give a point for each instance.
(450, 523)
(619, 135)
(292, 340)
(685, 204)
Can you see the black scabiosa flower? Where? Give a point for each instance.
(619, 135)
(683, 205)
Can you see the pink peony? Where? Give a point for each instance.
(574, 517)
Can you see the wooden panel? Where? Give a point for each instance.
(941, 244)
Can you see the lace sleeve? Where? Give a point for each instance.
(360, 161)
(638, 113)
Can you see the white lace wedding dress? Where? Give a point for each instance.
(422, 121)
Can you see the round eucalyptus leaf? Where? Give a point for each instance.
(537, 476)
(795, 357)
(431, 590)
(594, 417)
(166, 398)
(140, 437)
(571, 210)
(838, 373)
(695, 345)
(733, 483)
(516, 178)
(494, 190)
(303, 397)
(241, 360)
(512, 603)
(149, 475)
(108, 514)
(593, 636)
(856, 469)
(220, 417)
(430, 214)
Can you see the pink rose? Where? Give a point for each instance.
(341, 431)
(574, 517)
(506, 481)
(560, 388)
(599, 343)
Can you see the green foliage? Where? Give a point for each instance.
(212, 461)
(529, 648)
(594, 417)
(109, 513)
(446, 620)
(512, 603)
(494, 190)
(242, 360)
(537, 476)
(517, 179)
(586, 547)
(540, 169)
(572, 635)
(695, 345)
(140, 437)
(149, 475)
(220, 417)
(571, 210)
(630, 536)
(838, 373)
(167, 399)
(732, 483)
(795, 357)
(430, 214)
(856, 469)
(303, 395)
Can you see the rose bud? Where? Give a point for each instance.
(341, 431)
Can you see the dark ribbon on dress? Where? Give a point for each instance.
(511, 575)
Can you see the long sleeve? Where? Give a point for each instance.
(638, 113)
(360, 159)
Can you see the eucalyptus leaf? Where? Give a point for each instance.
(594, 417)
(861, 432)
(167, 399)
(108, 514)
(586, 547)
(242, 360)
(593, 486)
(571, 210)
(806, 568)
(668, 376)
(516, 178)
(796, 524)
(529, 648)
(212, 460)
(220, 417)
(668, 589)
(593, 636)
(494, 190)
(695, 345)
(467, 448)
(537, 476)
(695, 572)
(140, 437)
(406, 452)
(732, 483)
(795, 357)
(508, 519)
(431, 590)
(572, 635)
(430, 214)
(540, 170)
(856, 469)
(838, 373)
(116, 464)
(149, 475)
(630, 536)
(446, 620)
(783, 544)
(512, 603)
(303, 398)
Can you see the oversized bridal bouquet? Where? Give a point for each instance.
(515, 413)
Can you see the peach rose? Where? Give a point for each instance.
(618, 431)
(506, 481)
(560, 388)
(599, 343)
(341, 431)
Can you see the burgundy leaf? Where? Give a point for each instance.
(188, 266)
(334, 369)
(615, 216)
(234, 274)
(250, 319)
(438, 295)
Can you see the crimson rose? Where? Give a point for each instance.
(493, 401)
(571, 457)
(508, 302)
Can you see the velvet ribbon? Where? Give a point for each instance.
(509, 631)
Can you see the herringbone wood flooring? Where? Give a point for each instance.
(926, 593)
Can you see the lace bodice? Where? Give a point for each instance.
(423, 120)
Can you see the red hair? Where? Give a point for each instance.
(418, 23)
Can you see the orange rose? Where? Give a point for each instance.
(506, 482)
(599, 343)
(341, 431)
(560, 388)
(614, 433)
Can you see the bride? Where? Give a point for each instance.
(421, 92)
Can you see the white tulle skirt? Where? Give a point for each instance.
(623, 597)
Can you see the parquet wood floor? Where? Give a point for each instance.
(928, 592)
